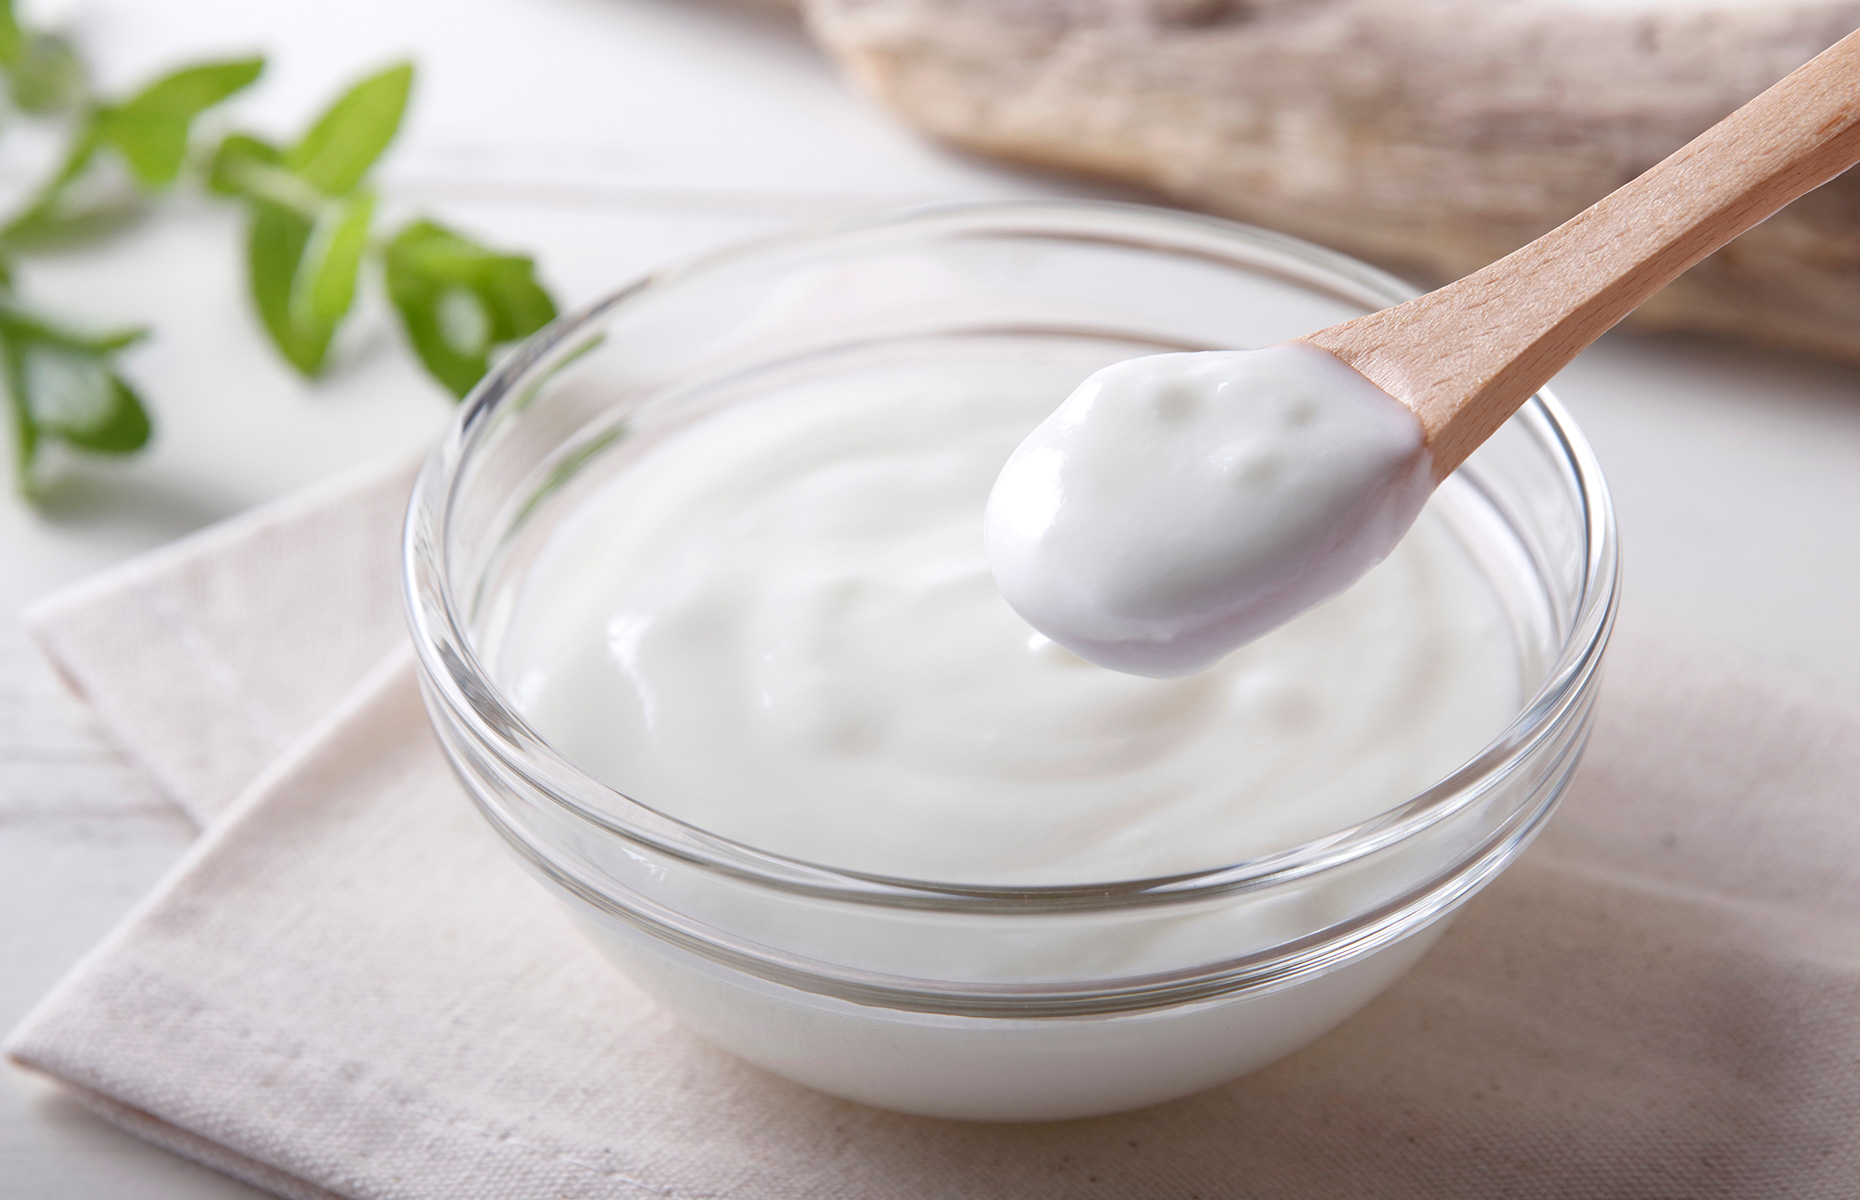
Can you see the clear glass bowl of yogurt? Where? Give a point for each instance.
(693, 581)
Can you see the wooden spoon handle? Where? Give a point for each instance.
(1466, 356)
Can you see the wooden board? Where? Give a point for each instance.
(1431, 136)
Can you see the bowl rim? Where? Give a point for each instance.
(453, 678)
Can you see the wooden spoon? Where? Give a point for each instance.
(1465, 356)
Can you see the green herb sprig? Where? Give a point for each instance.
(310, 228)
(310, 214)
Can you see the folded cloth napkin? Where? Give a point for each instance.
(207, 659)
(346, 990)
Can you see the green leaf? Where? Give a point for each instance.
(346, 140)
(63, 386)
(125, 427)
(12, 37)
(325, 284)
(237, 161)
(75, 396)
(48, 76)
(43, 71)
(519, 305)
(275, 244)
(457, 300)
(150, 129)
(303, 273)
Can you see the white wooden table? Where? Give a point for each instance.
(605, 136)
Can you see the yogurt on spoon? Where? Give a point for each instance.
(1179, 505)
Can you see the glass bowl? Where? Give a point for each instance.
(867, 986)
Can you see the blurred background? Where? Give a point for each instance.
(603, 137)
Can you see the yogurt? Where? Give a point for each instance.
(779, 625)
(1179, 505)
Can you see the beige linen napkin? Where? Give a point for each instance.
(347, 990)
(208, 658)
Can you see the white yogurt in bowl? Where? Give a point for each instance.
(707, 629)
(789, 601)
